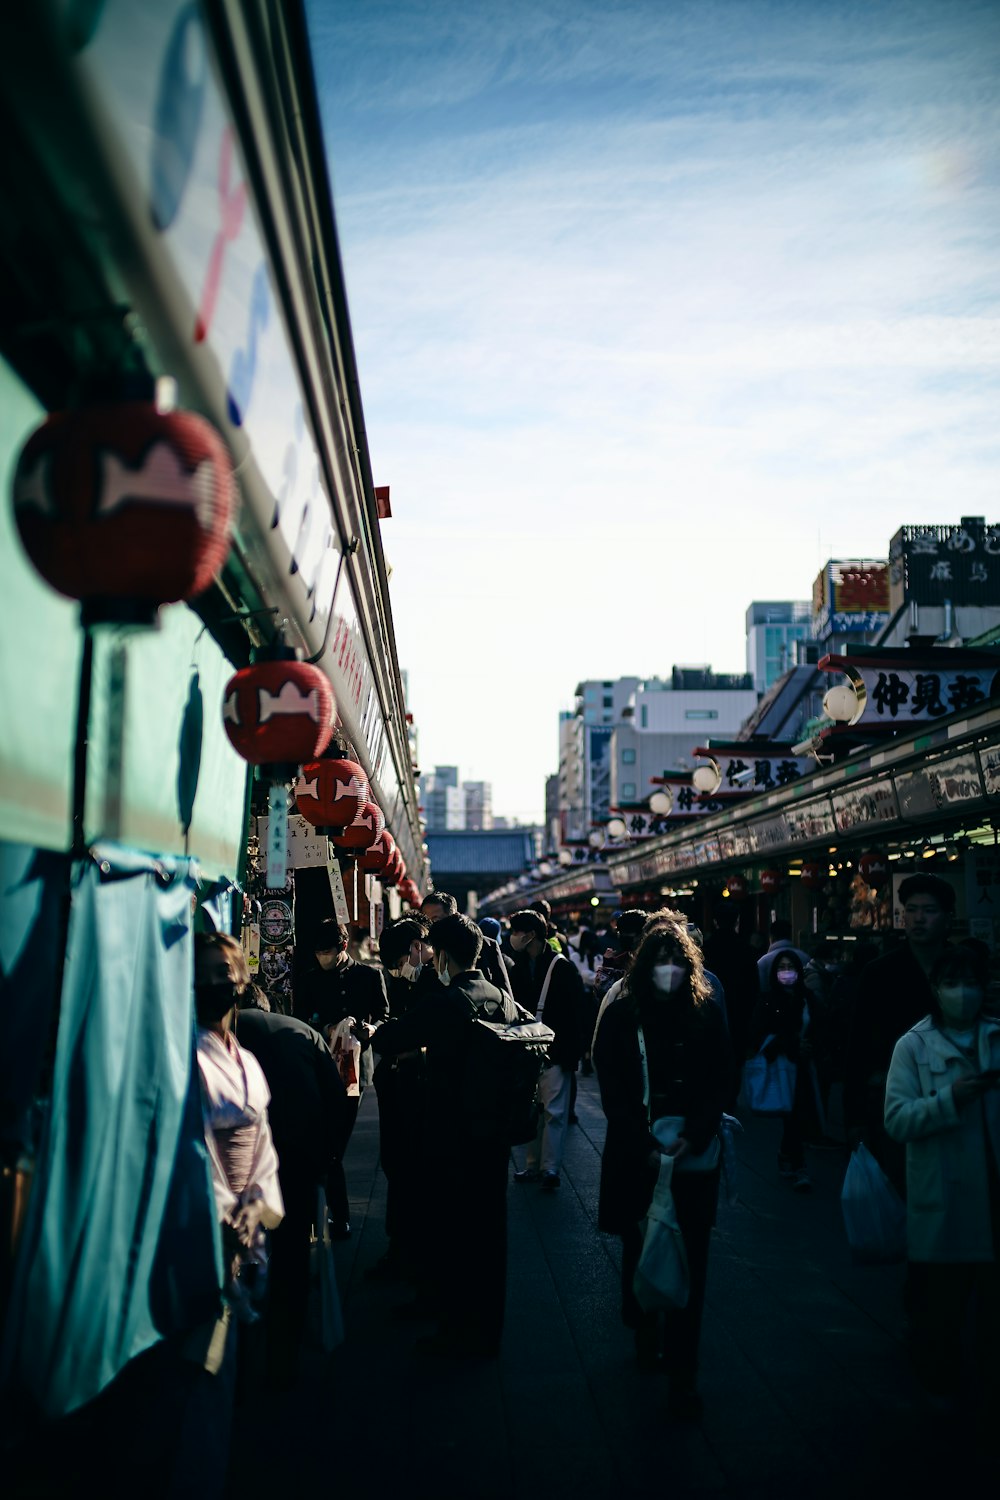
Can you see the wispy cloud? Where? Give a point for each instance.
(656, 307)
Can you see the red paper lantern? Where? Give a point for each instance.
(331, 792)
(377, 858)
(360, 834)
(814, 876)
(874, 868)
(279, 712)
(125, 507)
(737, 887)
(395, 871)
(770, 881)
(409, 892)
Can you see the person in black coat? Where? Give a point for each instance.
(405, 953)
(338, 987)
(438, 904)
(466, 1264)
(778, 1025)
(308, 1116)
(665, 1002)
(548, 986)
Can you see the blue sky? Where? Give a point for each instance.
(657, 307)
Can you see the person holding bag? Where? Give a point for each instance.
(665, 1066)
(777, 1030)
(942, 1102)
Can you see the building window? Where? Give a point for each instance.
(608, 701)
(628, 757)
(701, 713)
(644, 717)
(628, 791)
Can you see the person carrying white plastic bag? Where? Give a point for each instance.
(874, 1213)
(661, 1278)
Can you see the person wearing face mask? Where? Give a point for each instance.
(893, 993)
(779, 1023)
(235, 1097)
(547, 985)
(942, 1102)
(406, 956)
(462, 1270)
(338, 988)
(662, 1049)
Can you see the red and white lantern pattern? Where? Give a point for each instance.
(770, 882)
(331, 792)
(873, 868)
(363, 831)
(737, 887)
(377, 858)
(122, 505)
(279, 712)
(814, 876)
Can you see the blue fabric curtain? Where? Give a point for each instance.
(120, 1246)
(33, 892)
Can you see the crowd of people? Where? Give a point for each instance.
(667, 1020)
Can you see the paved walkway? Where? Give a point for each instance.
(804, 1378)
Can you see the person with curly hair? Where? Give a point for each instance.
(663, 1050)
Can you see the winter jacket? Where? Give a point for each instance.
(948, 1172)
(691, 1074)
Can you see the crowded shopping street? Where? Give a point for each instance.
(500, 750)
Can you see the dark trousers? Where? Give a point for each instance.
(469, 1257)
(696, 1195)
(288, 1277)
(803, 1112)
(336, 1183)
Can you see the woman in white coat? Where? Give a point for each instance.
(943, 1101)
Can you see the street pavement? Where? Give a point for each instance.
(804, 1374)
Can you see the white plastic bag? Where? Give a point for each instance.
(769, 1087)
(874, 1213)
(346, 1051)
(661, 1277)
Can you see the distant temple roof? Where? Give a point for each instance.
(506, 851)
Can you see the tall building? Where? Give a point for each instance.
(665, 721)
(625, 731)
(773, 630)
(478, 797)
(443, 800)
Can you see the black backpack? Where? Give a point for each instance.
(500, 1079)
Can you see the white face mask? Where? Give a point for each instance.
(519, 941)
(787, 976)
(960, 1003)
(668, 977)
(409, 971)
(442, 972)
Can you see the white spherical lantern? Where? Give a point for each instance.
(565, 856)
(706, 778)
(661, 803)
(596, 839)
(617, 829)
(841, 703)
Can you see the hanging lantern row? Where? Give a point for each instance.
(125, 507)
